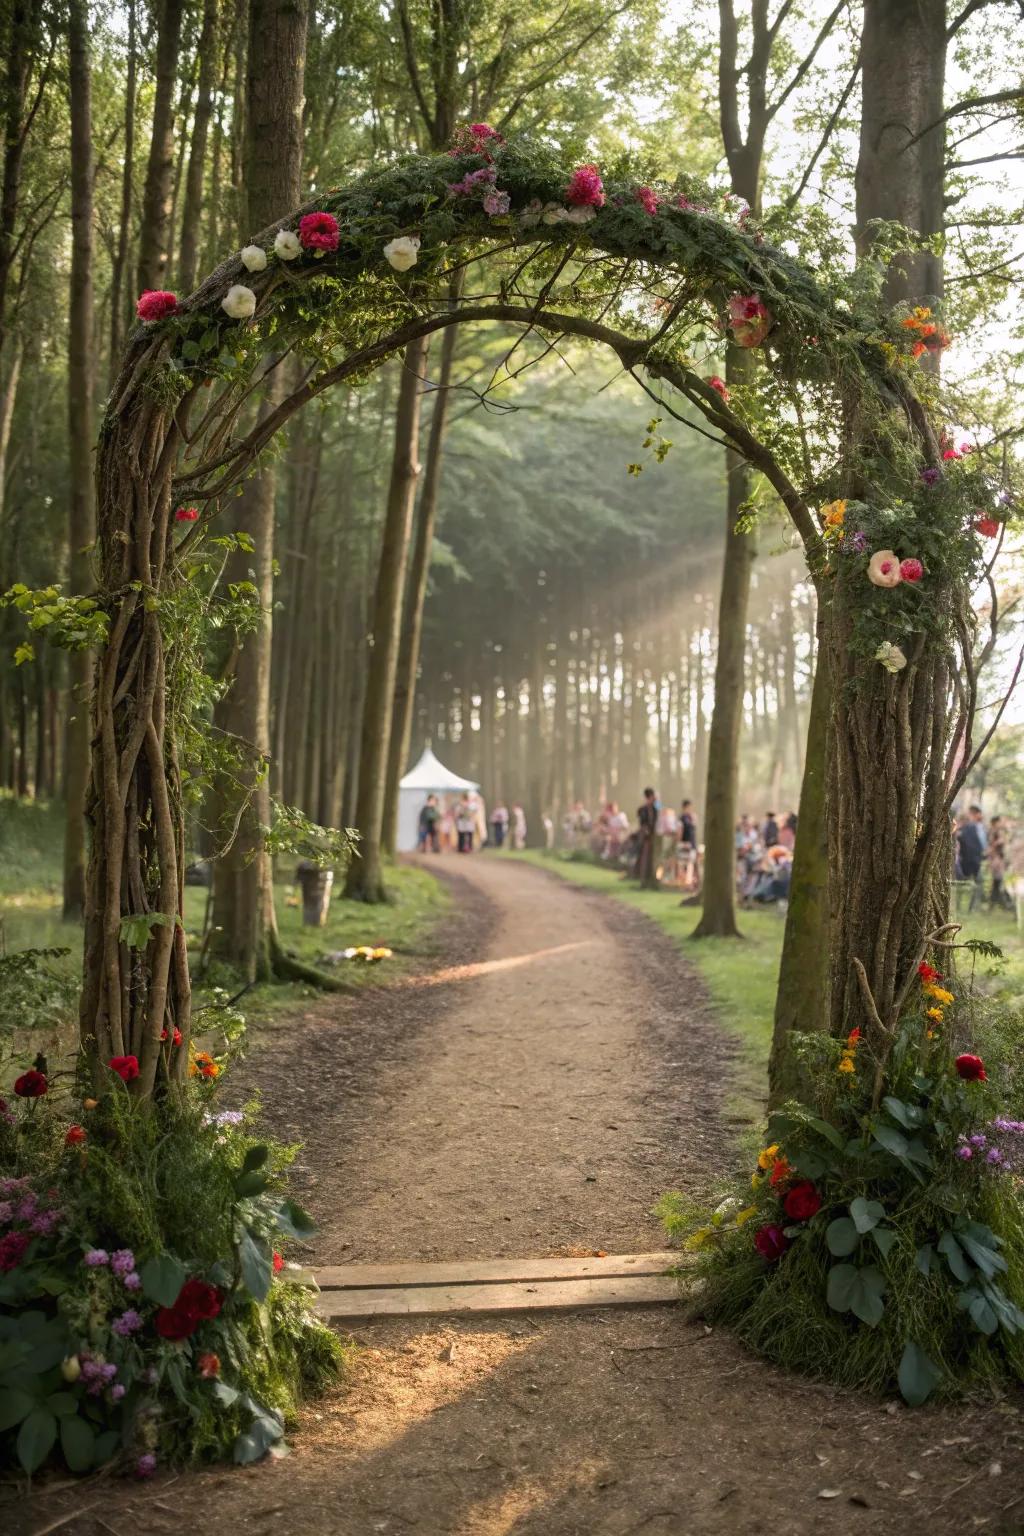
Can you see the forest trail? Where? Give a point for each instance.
(534, 1094)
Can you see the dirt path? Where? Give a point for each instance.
(534, 1094)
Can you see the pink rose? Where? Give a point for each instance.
(884, 569)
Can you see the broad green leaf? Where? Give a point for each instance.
(225, 1394)
(830, 1133)
(982, 1314)
(106, 1446)
(884, 1237)
(248, 1184)
(954, 1256)
(35, 1439)
(842, 1281)
(907, 1115)
(255, 1158)
(866, 1213)
(891, 1140)
(988, 1261)
(62, 1403)
(841, 1236)
(15, 1405)
(162, 1278)
(294, 1221)
(918, 1375)
(78, 1442)
(256, 1266)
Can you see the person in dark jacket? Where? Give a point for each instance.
(970, 844)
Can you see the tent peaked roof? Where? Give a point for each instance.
(431, 775)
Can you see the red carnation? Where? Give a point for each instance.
(585, 189)
(771, 1242)
(156, 304)
(988, 527)
(319, 232)
(802, 1201)
(31, 1084)
(126, 1067)
(186, 514)
(74, 1136)
(971, 1069)
(928, 972)
(196, 1303)
(278, 1263)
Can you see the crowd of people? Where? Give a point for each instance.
(663, 841)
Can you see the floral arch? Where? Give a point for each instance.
(839, 419)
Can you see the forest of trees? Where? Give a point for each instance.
(499, 552)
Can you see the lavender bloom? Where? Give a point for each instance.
(964, 1153)
(994, 1156)
(146, 1465)
(6, 1212)
(46, 1222)
(95, 1258)
(225, 1117)
(132, 1282)
(978, 1140)
(496, 203)
(129, 1322)
(117, 1391)
(931, 476)
(122, 1262)
(27, 1208)
(13, 1186)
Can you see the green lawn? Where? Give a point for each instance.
(30, 912)
(741, 976)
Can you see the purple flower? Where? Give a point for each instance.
(857, 542)
(132, 1282)
(994, 1156)
(496, 203)
(13, 1186)
(46, 1222)
(129, 1322)
(930, 476)
(146, 1465)
(27, 1208)
(6, 1212)
(95, 1258)
(978, 1140)
(117, 1391)
(964, 1153)
(122, 1262)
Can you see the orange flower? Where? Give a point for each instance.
(208, 1366)
(203, 1065)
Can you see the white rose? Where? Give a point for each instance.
(884, 568)
(582, 214)
(254, 258)
(891, 657)
(286, 245)
(554, 213)
(403, 252)
(530, 215)
(239, 302)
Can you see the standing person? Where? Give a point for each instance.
(518, 827)
(448, 827)
(770, 830)
(998, 896)
(430, 826)
(668, 839)
(688, 853)
(499, 824)
(971, 841)
(787, 833)
(645, 868)
(479, 814)
(465, 823)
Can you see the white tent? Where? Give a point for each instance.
(429, 777)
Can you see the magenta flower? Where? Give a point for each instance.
(496, 203)
(156, 304)
(585, 189)
(645, 196)
(146, 1465)
(96, 1258)
(964, 1154)
(132, 1282)
(117, 1391)
(930, 476)
(319, 232)
(750, 319)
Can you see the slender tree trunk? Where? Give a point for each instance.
(155, 231)
(192, 208)
(365, 877)
(242, 893)
(81, 511)
(119, 263)
(419, 572)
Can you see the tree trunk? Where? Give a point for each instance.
(119, 262)
(243, 903)
(192, 209)
(419, 572)
(81, 515)
(155, 231)
(365, 879)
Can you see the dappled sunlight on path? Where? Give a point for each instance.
(488, 967)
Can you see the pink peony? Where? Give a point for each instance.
(646, 196)
(719, 386)
(496, 203)
(911, 570)
(156, 304)
(585, 189)
(319, 232)
(884, 569)
(750, 319)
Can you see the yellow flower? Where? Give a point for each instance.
(846, 1065)
(929, 1034)
(934, 1013)
(699, 1239)
(834, 513)
(768, 1156)
(756, 1180)
(939, 993)
(742, 1217)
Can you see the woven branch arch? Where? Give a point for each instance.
(653, 287)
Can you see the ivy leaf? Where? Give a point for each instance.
(918, 1375)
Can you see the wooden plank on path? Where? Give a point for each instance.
(473, 1272)
(505, 1297)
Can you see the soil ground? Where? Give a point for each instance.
(534, 1094)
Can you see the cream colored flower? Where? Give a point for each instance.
(884, 568)
(891, 657)
(403, 252)
(554, 213)
(239, 302)
(286, 245)
(581, 215)
(254, 258)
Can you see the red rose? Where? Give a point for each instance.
(126, 1067)
(12, 1250)
(971, 1069)
(802, 1201)
(156, 304)
(196, 1302)
(988, 527)
(319, 232)
(74, 1137)
(175, 1325)
(928, 972)
(31, 1084)
(278, 1263)
(186, 514)
(771, 1242)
